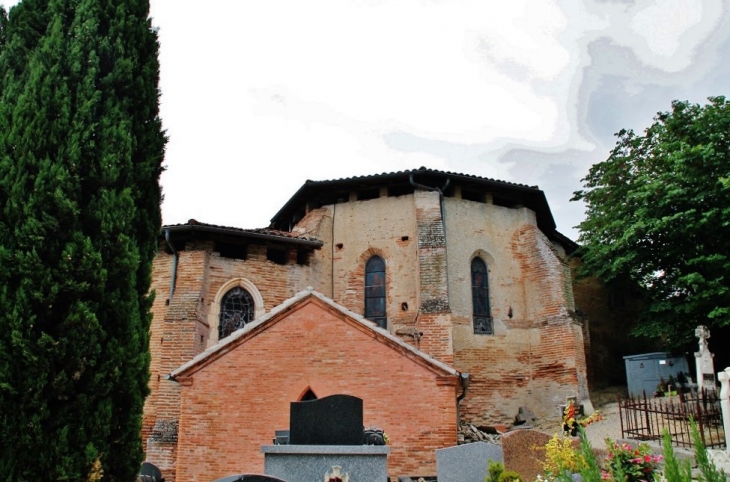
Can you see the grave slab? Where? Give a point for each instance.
(466, 463)
(249, 478)
(307, 463)
(524, 452)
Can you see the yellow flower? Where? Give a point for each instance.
(560, 455)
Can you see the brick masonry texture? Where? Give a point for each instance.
(233, 405)
(536, 356)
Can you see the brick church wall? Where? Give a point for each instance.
(434, 320)
(232, 406)
(382, 226)
(181, 326)
(535, 356)
(175, 328)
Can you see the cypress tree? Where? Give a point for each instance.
(81, 150)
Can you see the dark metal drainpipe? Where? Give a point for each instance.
(174, 264)
(464, 379)
(443, 219)
(332, 252)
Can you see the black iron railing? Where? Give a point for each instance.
(645, 418)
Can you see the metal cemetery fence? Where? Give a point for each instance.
(646, 418)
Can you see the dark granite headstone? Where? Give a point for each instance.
(249, 478)
(333, 420)
(150, 472)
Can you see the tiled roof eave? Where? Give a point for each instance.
(258, 234)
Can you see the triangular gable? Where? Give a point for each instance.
(282, 311)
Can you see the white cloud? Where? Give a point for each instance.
(663, 23)
(260, 95)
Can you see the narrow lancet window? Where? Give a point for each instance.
(480, 297)
(375, 291)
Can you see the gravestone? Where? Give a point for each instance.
(524, 452)
(249, 478)
(721, 458)
(704, 363)
(324, 434)
(525, 415)
(466, 463)
(333, 420)
(309, 463)
(150, 473)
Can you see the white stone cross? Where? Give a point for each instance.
(336, 474)
(703, 334)
(704, 364)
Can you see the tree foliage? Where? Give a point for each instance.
(81, 148)
(658, 216)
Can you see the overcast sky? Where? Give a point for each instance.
(260, 95)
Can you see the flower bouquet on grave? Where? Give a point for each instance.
(375, 436)
(571, 422)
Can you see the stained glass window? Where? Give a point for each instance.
(237, 309)
(375, 291)
(480, 297)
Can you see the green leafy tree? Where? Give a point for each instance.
(658, 217)
(81, 150)
(3, 24)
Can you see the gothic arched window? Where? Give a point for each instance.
(237, 309)
(480, 297)
(375, 291)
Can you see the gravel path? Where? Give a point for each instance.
(609, 427)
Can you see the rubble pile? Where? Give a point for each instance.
(469, 433)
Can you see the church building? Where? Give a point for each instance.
(435, 297)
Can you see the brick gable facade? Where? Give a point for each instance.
(235, 397)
